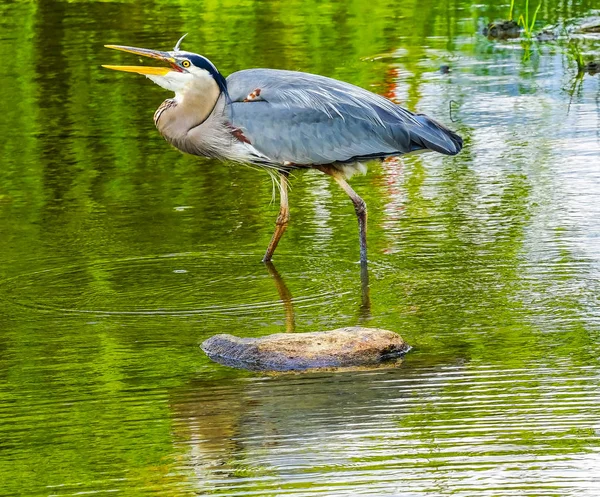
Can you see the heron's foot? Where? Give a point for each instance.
(255, 95)
(282, 218)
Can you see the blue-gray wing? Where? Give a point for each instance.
(306, 119)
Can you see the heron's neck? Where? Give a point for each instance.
(190, 108)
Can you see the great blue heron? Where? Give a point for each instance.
(284, 120)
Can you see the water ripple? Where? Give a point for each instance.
(462, 431)
(174, 284)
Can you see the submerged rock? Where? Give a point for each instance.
(502, 30)
(546, 35)
(589, 25)
(344, 347)
(592, 67)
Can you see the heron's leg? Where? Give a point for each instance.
(359, 206)
(365, 305)
(282, 219)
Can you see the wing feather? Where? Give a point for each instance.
(308, 119)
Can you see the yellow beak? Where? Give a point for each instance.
(147, 70)
(157, 71)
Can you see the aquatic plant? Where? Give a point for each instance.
(512, 8)
(511, 28)
(575, 53)
(524, 21)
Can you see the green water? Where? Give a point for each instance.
(120, 255)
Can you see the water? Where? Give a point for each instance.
(120, 255)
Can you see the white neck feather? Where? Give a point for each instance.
(196, 95)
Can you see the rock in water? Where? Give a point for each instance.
(344, 347)
(592, 67)
(502, 29)
(589, 25)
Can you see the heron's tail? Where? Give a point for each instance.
(435, 136)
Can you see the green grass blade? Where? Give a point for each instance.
(535, 16)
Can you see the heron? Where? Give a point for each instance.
(282, 121)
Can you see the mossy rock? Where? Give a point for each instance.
(502, 30)
(340, 348)
(592, 67)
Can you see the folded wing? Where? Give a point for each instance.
(308, 119)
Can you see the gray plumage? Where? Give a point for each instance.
(284, 120)
(307, 119)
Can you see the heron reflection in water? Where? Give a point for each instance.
(286, 298)
(284, 120)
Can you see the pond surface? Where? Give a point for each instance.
(120, 255)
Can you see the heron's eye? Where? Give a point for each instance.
(186, 63)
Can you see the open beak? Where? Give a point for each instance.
(147, 70)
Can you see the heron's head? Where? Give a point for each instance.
(185, 71)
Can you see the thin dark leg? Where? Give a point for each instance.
(365, 301)
(359, 206)
(282, 219)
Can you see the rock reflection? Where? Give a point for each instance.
(262, 434)
(375, 432)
